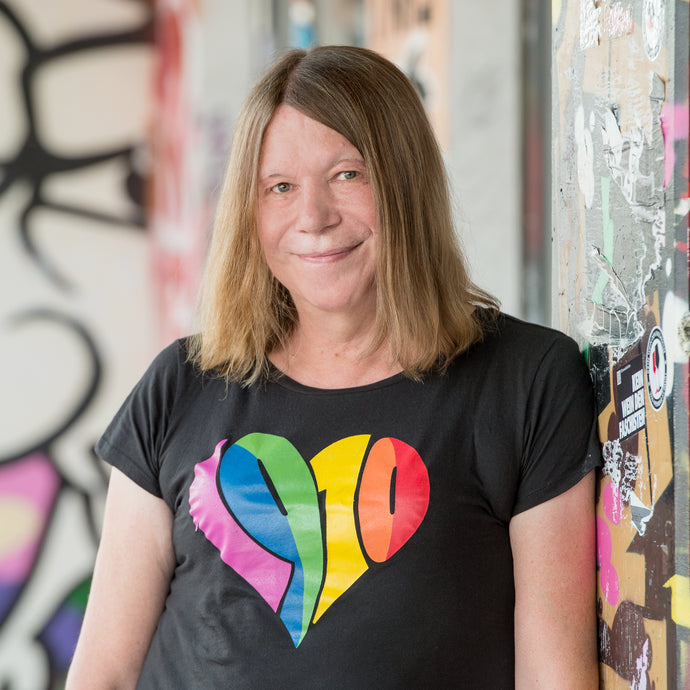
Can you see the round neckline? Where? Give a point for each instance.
(283, 380)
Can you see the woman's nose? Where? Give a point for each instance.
(317, 209)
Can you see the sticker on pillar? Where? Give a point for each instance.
(657, 368)
(653, 27)
(630, 402)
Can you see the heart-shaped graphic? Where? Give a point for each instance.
(266, 520)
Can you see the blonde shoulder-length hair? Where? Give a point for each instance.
(428, 310)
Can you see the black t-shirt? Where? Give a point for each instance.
(352, 538)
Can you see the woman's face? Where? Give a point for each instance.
(317, 217)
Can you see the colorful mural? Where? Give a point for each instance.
(74, 82)
(620, 213)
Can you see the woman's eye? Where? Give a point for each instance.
(281, 187)
(349, 174)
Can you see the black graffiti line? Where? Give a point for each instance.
(44, 164)
(87, 395)
(37, 57)
(88, 214)
(33, 162)
(16, 23)
(136, 220)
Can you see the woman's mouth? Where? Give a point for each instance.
(329, 255)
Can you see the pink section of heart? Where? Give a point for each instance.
(269, 575)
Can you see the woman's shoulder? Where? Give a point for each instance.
(512, 326)
(515, 346)
(512, 333)
(169, 361)
(171, 367)
(173, 354)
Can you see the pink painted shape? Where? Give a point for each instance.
(674, 126)
(613, 504)
(34, 481)
(603, 542)
(16, 566)
(608, 577)
(269, 575)
(33, 478)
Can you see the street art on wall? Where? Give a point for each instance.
(620, 214)
(74, 334)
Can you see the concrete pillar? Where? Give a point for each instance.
(620, 210)
(484, 153)
(465, 56)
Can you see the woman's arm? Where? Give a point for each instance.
(555, 617)
(131, 578)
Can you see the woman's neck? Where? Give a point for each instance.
(333, 355)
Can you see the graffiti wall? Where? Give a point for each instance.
(116, 120)
(620, 215)
(75, 311)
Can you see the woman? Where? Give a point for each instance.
(359, 473)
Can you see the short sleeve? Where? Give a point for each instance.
(560, 443)
(133, 440)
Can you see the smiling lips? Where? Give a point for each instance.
(330, 255)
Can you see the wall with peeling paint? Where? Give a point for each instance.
(620, 214)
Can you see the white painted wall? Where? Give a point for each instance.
(484, 149)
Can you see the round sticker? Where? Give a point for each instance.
(656, 365)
